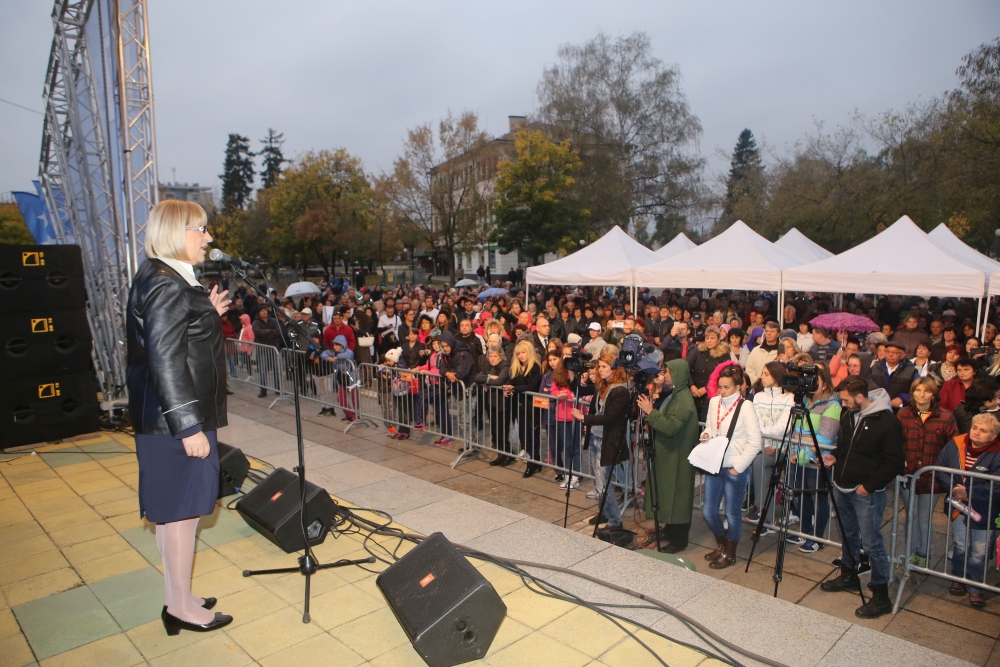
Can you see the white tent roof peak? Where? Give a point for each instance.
(945, 239)
(607, 261)
(738, 258)
(677, 245)
(802, 246)
(900, 260)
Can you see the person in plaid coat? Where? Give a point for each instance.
(927, 427)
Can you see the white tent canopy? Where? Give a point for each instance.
(680, 243)
(800, 245)
(607, 261)
(739, 258)
(900, 260)
(945, 239)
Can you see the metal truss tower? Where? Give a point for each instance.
(98, 158)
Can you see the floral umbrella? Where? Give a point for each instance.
(844, 322)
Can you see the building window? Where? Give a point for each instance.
(493, 260)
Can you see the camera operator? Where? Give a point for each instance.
(731, 481)
(868, 456)
(608, 422)
(673, 420)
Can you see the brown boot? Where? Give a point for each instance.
(719, 550)
(727, 558)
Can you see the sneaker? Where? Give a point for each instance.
(420, 427)
(593, 494)
(919, 561)
(402, 436)
(520, 454)
(560, 477)
(768, 531)
(810, 547)
(753, 516)
(573, 482)
(795, 539)
(793, 518)
(977, 599)
(443, 442)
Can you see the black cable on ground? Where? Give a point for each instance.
(699, 629)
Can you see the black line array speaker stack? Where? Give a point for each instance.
(48, 389)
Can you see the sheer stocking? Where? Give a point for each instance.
(176, 543)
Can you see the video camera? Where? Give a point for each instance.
(801, 380)
(579, 361)
(634, 350)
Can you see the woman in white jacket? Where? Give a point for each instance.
(731, 481)
(773, 407)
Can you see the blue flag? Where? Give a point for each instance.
(33, 211)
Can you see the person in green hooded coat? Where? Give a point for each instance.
(673, 420)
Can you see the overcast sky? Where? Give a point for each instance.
(358, 74)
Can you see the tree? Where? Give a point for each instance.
(228, 230)
(670, 225)
(441, 184)
(746, 184)
(13, 231)
(388, 230)
(319, 208)
(237, 173)
(534, 211)
(625, 111)
(273, 158)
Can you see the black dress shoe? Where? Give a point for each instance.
(208, 604)
(530, 470)
(262, 394)
(499, 460)
(174, 625)
(507, 460)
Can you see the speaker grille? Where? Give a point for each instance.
(436, 577)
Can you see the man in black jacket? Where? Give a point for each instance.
(266, 332)
(869, 455)
(895, 374)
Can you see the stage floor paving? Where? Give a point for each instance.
(81, 584)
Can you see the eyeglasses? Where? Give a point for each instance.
(200, 230)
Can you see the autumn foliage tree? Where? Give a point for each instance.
(534, 208)
(319, 209)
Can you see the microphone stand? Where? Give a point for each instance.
(308, 563)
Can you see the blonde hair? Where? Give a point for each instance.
(515, 361)
(165, 234)
(988, 421)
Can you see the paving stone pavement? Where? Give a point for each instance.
(81, 585)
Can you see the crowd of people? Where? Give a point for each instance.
(920, 390)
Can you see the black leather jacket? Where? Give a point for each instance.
(176, 358)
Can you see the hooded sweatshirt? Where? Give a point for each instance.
(246, 333)
(869, 449)
(460, 361)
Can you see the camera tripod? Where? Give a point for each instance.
(798, 423)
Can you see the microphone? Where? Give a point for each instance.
(218, 256)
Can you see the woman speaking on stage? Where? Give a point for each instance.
(177, 399)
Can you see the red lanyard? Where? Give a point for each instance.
(718, 409)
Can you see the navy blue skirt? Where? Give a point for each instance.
(172, 485)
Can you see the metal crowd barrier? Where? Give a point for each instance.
(804, 485)
(964, 553)
(257, 365)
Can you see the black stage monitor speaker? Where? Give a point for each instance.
(233, 469)
(41, 276)
(450, 612)
(47, 408)
(44, 342)
(272, 509)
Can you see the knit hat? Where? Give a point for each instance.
(394, 354)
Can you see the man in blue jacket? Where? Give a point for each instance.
(977, 451)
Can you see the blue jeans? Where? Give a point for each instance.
(567, 444)
(732, 487)
(970, 562)
(862, 517)
(612, 513)
(920, 523)
(814, 505)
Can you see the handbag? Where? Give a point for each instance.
(710, 454)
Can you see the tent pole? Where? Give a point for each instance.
(979, 314)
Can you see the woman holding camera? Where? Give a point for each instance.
(177, 400)
(607, 421)
(731, 481)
